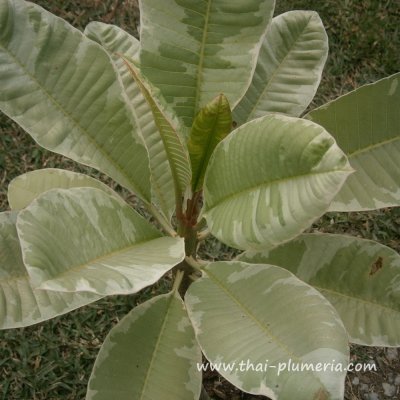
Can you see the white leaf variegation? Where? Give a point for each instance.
(61, 87)
(366, 125)
(194, 50)
(26, 187)
(361, 279)
(256, 315)
(151, 354)
(289, 67)
(117, 43)
(270, 179)
(20, 304)
(83, 239)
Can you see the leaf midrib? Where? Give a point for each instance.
(250, 314)
(262, 327)
(103, 257)
(157, 345)
(277, 70)
(173, 145)
(200, 68)
(270, 183)
(372, 147)
(357, 299)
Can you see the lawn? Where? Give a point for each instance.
(53, 360)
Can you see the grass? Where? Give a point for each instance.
(53, 360)
(364, 39)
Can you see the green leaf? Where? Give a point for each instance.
(289, 67)
(26, 187)
(262, 314)
(194, 50)
(117, 42)
(62, 89)
(177, 152)
(361, 279)
(270, 179)
(83, 239)
(211, 125)
(20, 304)
(366, 125)
(151, 354)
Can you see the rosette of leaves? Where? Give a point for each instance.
(200, 119)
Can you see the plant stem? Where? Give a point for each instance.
(194, 263)
(178, 280)
(188, 275)
(187, 221)
(161, 220)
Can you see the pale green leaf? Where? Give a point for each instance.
(212, 124)
(117, 42)
(151, 354)
(26, 187)
(83, 239)
(194, 50)
(361, 279)
(20, 304)
(62, 89)
(175, 148)
(262, 314)
(289, 67)
(366, 125)
(270, 179)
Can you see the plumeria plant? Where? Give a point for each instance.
(203, 120)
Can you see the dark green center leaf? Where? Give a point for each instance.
(211, 125)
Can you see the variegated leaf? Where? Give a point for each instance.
(175, 148)
(194, 50)
(83, 239)
(253, 315)
(361, 279)
(62, 89)
(151, 354)
(118, 42)
(26, 187)
(20, 304)
(270, 179)
(289, 67)
(366, 125)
